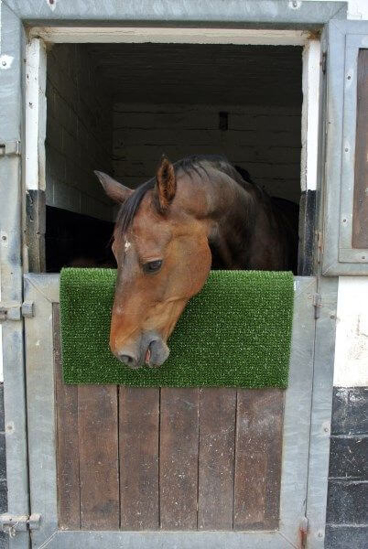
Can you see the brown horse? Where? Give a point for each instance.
(196, 214)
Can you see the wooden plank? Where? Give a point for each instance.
(98, 449)
(138, 445)
(216, 458)
(179, 459)
(67, 439)
(360, 212)
(258, 449)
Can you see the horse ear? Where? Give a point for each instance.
(114, 190)
(165, 183)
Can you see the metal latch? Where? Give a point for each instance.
(27, 309)
(14, 311)
(9, 311)
(11, 524)
(10, 148)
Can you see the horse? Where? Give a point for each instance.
(194, 215)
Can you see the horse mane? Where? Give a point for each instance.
(188, 165)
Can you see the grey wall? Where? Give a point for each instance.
(79, 130)
(265, 140)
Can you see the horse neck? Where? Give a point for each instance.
(246, 231)
(242, 228)
(235, 215)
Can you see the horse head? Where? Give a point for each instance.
(160, 243)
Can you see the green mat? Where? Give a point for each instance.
(235, 333)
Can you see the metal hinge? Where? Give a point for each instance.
(324, 62)
(317, 304)
(319, 246)
(11, 524)
(14, 311)
(303, 530)
(10, 148)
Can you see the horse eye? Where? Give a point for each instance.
(152, 266)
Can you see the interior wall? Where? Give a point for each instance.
(79, 130)
(265, 140)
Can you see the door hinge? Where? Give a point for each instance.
(11, 524)
(319, 246)
(324, 62)
(303, 531)
(14, 311)
(317, 304)
(10, 148)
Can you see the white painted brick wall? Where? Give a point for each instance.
(79, 129)
(264, 140)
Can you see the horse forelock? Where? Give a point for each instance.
(130, 207)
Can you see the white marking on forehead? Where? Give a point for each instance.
(127, 245)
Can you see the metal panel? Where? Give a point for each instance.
(273, 12)
(339, 257)
(41, 403)
(43, 290)
(346, 252)
(297, 411)
(169, 540)
(321, 413)
(11, 271)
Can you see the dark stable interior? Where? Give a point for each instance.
(118, 107)
(76, 240)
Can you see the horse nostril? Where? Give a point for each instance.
(128, 360)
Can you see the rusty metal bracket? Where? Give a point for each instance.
(303, 529)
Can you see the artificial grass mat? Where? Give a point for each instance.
(235, 333)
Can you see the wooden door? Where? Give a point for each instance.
(111, 465)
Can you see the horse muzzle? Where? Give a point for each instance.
(149, 349)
